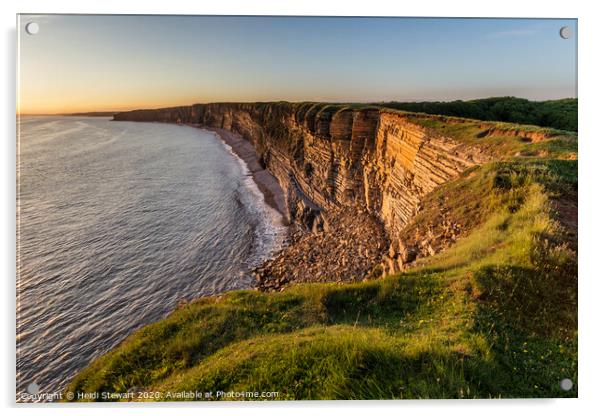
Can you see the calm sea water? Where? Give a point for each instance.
(117, 223)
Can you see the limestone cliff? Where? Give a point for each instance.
(329, 156)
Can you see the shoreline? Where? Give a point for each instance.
(323, 255)
(266, 182)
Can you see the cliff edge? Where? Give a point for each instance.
(356, 176)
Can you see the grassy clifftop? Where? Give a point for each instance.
(558, 114)
(494, 315)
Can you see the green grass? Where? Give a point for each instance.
(492, 316)
(558, 144)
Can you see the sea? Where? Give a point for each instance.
(117, 224)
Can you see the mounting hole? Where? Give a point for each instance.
(32, 28)
(566, 384)
(33, 388)
(565, 32)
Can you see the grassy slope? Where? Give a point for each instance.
(492, 316)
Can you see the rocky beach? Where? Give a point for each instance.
(338, 248)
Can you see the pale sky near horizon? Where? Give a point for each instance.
(102, 62)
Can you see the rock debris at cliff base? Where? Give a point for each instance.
(346, 249)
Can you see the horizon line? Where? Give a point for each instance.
(73, 113)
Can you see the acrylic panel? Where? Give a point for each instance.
(295, 208)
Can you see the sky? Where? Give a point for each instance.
(105, 63)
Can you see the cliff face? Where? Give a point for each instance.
(328, 157)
